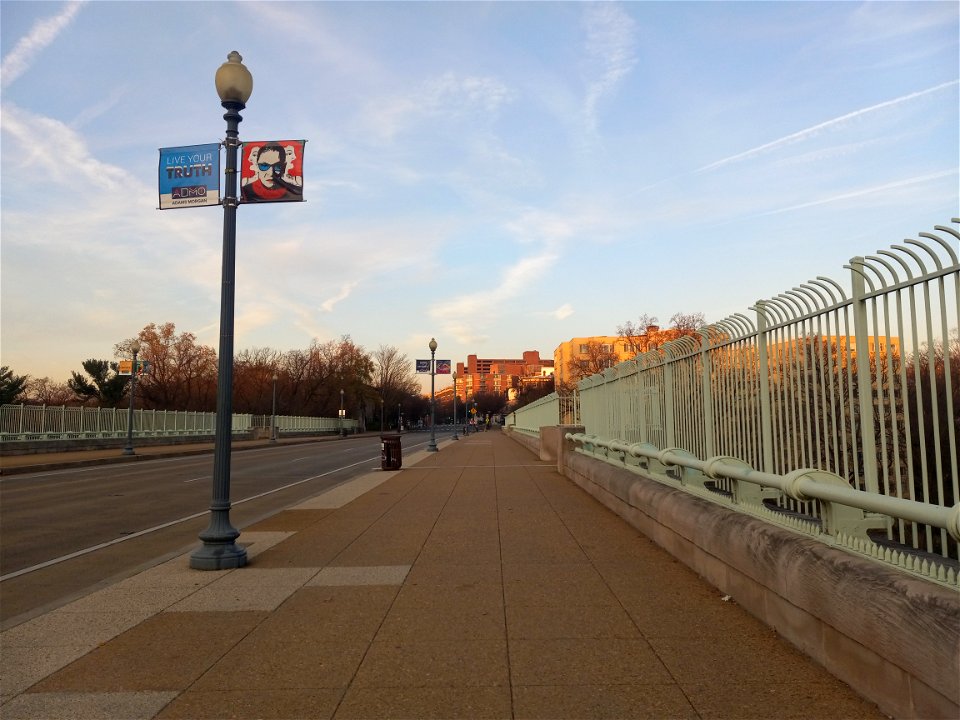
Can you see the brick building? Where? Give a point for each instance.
(501, 376)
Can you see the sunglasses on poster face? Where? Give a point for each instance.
(266, 166)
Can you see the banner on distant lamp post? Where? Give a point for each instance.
(442, 367)
(189, 176)
(271, 171)
(125, 367)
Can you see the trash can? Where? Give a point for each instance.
(390, 452)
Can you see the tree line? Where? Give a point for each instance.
(182, 375)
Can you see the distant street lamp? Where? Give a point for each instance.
(382, 428)
(273, 412)
(455, 436)
(128, 450)
(343, 430)
(219, 550)
(399, 417)
(432, 447)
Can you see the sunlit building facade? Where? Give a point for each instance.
(501, 376)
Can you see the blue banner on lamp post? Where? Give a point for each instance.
(189, 176)
(423, 366)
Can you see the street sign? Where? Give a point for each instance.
(423, 366)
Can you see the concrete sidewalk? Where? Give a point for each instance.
(476, 582)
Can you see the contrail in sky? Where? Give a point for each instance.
(800, 135)
(867, 191)
(42, 34)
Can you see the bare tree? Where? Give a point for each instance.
(594, 358)
(687, 323)
(44, 391)
(182, 374)
(253, 372)
(634, 332)
(646, 334)
(393, 375)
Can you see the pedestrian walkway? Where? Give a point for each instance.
(476, 582)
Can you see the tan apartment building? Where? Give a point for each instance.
(582, 356)
(579, 357)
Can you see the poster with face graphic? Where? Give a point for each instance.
(271, 171)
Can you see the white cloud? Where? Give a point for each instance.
(449, 95)
(536, 225)
(343, 294)
(611, 54)
(100, 108)
(42, 34)
(58, 153)
(563, 312)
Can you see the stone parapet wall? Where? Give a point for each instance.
(893, 637)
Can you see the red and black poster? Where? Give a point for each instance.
(271, 171)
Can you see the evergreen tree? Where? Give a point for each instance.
(11, 386)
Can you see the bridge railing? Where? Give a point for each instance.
(862, 384)
(551, 409)
(44, 422)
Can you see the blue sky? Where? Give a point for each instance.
(500, 176)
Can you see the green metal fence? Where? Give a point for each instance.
(859, 384)
(42, 422)
(551, 409)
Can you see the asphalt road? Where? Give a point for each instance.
(65, 532)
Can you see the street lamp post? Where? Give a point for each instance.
(128, 450)
(273, 412)
(399, 417)
(432, 447)
(455, 436)
(343, 430)
(220, 550)
(382, 428)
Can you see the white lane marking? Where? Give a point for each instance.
(86, 551)
(202, 477)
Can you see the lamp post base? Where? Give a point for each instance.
(219, 550)
(218, 556)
